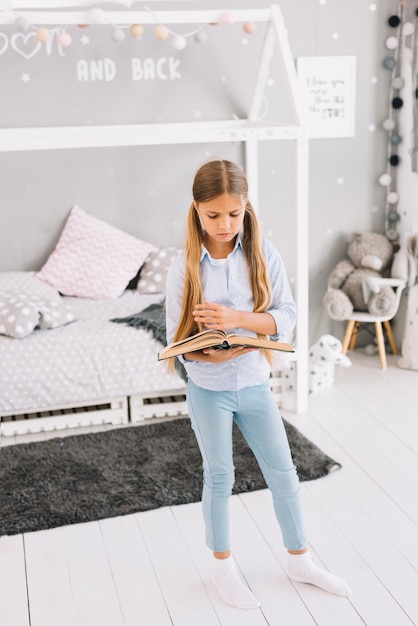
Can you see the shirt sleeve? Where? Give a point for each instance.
(283, 307)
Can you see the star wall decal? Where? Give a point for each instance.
(85, 40)
(373, 7)
(25, 78)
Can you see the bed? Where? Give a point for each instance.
(89, 371)
(88, 362)
(64, 362)
(94, 363)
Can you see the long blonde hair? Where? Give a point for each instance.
(212, 180)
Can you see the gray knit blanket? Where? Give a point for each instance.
(152, 318)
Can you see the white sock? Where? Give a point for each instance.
(301, 569)
(230, 586)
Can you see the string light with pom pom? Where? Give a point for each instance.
(97, 15)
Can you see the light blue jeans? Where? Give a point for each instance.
(256, 414)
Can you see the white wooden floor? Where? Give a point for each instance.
(152, 569)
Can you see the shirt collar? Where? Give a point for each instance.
(238, 243)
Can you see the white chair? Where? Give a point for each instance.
(358, 318)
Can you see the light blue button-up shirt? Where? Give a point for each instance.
(229, 284)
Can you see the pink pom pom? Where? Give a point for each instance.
(249, 27)
(64, 40)
(228, 17)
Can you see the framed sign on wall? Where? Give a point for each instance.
(328, 93)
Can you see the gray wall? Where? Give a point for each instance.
(146, 191)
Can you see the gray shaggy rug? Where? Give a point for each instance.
(95, 476)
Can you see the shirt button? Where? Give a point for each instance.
(233, 363)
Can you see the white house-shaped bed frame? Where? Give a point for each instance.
(250, 130)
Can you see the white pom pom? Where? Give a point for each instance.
(392, 43)
(393, 197)
(389, 124)
(385, 180)
(97, 16)
(179, 43)
(118, 35)
(22, 23)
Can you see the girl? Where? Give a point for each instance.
(229, 278)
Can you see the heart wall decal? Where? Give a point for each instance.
(4, 43)
(26, 45)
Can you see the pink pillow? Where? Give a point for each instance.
(93, 259)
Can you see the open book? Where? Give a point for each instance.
(219, 339)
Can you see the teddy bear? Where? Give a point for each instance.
(350, 284)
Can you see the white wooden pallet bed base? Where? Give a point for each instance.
(134, 409)
(108, 411)
(157, 405)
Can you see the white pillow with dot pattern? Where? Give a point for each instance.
(27, 283)
(20, 314)
(18, 317)
(153, 274)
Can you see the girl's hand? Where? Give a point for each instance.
(216, 316)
